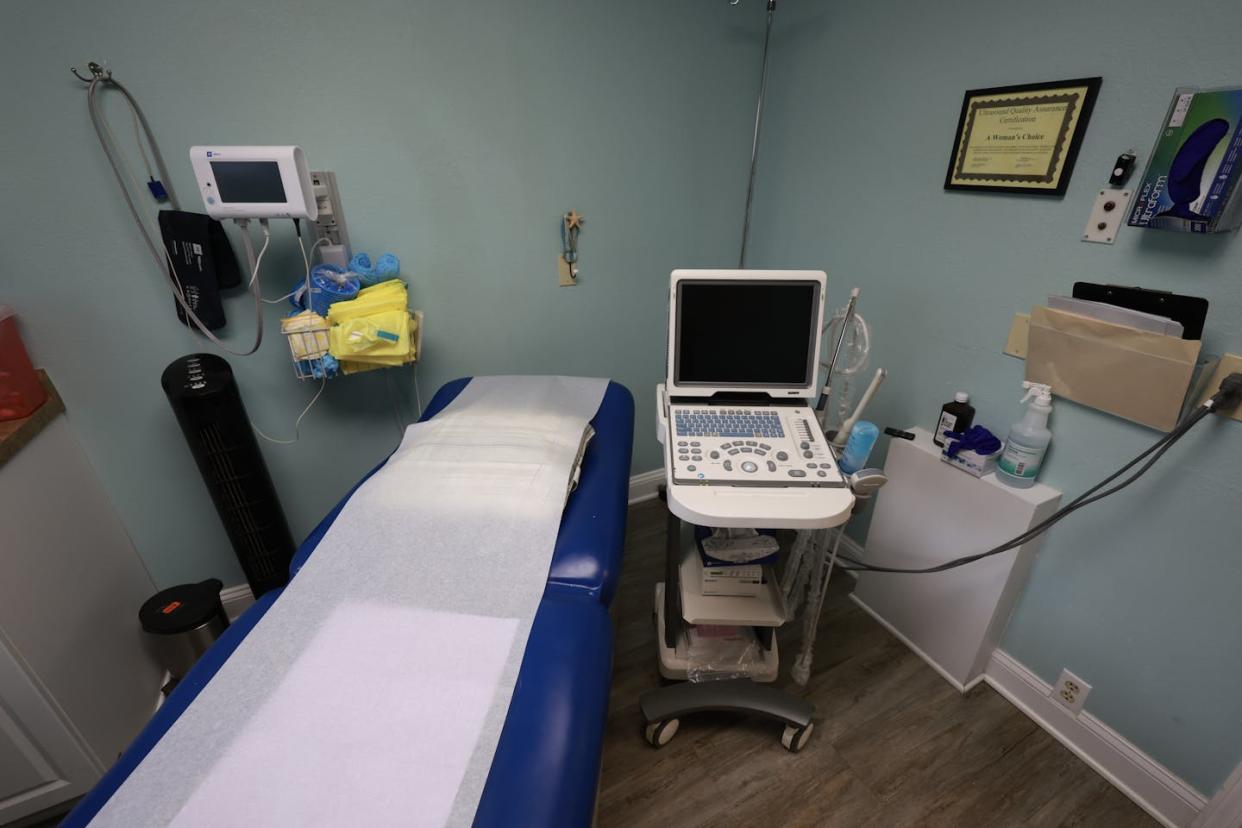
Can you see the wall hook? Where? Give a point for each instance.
(567, 264)
(97, 70)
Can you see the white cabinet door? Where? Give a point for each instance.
(41, 762)
(70, 588)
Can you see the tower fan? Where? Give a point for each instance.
(208, 406)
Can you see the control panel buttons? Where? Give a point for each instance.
(705, 446)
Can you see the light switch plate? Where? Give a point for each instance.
(330, 224)
(1107, 216)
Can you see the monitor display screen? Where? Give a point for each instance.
(734, 333)
(248, 182)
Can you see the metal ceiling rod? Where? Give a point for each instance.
(754, 145)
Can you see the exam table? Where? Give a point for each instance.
(546, 765)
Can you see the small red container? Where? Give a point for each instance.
(20, 390)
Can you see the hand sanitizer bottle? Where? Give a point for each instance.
(1028, 440)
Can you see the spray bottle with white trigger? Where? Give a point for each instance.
(1028, 439)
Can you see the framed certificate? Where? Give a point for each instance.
(1021, 139)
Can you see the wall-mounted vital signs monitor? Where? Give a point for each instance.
(254, 182)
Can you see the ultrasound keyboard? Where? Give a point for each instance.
(728, 422)
(750, 446)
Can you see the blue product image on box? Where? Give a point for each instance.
(1194, 169)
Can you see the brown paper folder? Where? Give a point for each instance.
(1138, 375)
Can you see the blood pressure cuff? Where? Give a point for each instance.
(202, 263)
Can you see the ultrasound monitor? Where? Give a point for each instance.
(752, 331)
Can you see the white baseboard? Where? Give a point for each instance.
(1225, 809)
(645, 485)
(1153, 787)
(236, 599)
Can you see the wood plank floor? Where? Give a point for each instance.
(894, 744)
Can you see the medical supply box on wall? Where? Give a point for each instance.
(1194, 168)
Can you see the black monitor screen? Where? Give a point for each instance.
(743, 333)
(249, 182)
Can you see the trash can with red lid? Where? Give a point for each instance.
(183, 622)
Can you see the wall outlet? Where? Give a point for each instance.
(1071, 692)
(331, 222)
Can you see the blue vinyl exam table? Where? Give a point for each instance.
(546, 767)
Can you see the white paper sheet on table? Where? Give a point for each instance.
(374, 691)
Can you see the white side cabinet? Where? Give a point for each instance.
(77, 681)
(931, 512)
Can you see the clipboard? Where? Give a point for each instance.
(1191, 311)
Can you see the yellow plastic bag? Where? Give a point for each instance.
(386, 296)
(307, 333)
(375, 337)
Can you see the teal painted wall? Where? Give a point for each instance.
(459, 132)
(1138, 595)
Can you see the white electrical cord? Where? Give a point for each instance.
(146, 162)
(267, 239)
(297, 424)
(418, 397)
(397, 416)
(305, 261)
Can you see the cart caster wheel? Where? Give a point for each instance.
(660, 734)
(795, 738)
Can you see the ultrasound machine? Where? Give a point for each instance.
(743, 450)
(743, 360)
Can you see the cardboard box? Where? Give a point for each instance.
(1195, 165)
(972, 462)
(744, 581)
